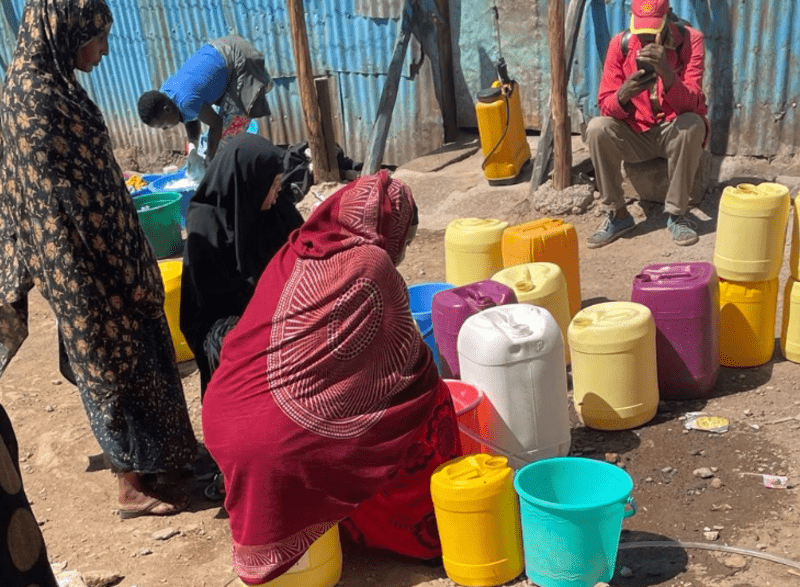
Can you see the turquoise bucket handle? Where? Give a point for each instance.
(630, 507)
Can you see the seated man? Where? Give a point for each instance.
(653, 105)
(228, 73)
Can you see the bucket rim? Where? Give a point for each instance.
(471, 405)
(532, 499)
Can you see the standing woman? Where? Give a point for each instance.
(69, 227)
(237, 220)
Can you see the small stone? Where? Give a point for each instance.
(625, 572)
(144, 552)
(711, 535)
(165, 534)
(761, 546)
(748, 413)
(612, 457)
(49, 408)
(101, 578)
(714, 469)
(666, 470)
(742, 376)
(703, 473)
(56, 382)
(735, 561)
(648, 479)
(716, 483)
(717, 527)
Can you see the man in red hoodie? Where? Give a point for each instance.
(652, 104)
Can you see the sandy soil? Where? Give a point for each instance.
(74, 497)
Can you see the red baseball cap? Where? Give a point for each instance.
(648, 16)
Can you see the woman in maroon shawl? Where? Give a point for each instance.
(327, 406)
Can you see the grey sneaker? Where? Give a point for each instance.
(682, 229)
(610, 230)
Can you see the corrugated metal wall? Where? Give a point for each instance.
(351, 42)
(752, 78)
(752, 72)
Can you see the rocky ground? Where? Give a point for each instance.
(691, 486)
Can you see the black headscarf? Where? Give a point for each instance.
(230, 239)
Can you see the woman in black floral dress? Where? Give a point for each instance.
(69, 227)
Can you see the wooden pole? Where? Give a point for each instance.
(308, 94)
(544, 150)
(445, 43)
(380, 128)
(562, 156)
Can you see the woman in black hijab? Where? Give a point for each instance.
(237, 220)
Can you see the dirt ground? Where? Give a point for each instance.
(74, 496)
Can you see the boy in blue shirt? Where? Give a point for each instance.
(228, 74)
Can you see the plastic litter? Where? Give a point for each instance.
(706, 422)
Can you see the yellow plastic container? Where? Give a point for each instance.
(747, 322)
(477, 513)
(751, 232)
(614, 370)
(549, 240)
(544, 285)
(507, 150)
(472, 249)
(794, 253)
(790, 328)
(320, 566)
(171, 274)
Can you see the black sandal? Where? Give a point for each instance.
(215, 491)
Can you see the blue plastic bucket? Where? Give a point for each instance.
(162, 184)
(571, 511)
(420, 299)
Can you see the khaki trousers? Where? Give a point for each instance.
(680, 142)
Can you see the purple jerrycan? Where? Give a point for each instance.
(684, 300)
(450, 308)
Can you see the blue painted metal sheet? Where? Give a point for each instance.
(351, 41)
(752, 79)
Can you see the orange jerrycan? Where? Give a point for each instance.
(614, 369)
(747, 322)
(477, 514)
(472, 249)
(543, 285)
(751, 231)
(500, 126)
(171, 275)
(548, 240)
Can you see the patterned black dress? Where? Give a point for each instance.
(69, 227)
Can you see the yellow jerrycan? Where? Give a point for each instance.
(543, 285)
(614, 369)
(320, 566)
(790, 327)
(794, 253)
(502, 132)
(477, 513)
(751, 231)
(473, 249)
(747, 322)
(171, 275)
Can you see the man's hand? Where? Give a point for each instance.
(655, 55)
(637, 82)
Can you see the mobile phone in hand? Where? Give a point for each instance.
(648, 68)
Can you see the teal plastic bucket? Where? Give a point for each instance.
(420, 299)
(160, 215)
(571, 510)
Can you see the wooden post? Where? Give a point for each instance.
(544, 150)
(380, 128)
(562, 157)
(444, 41)
(308, 94)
